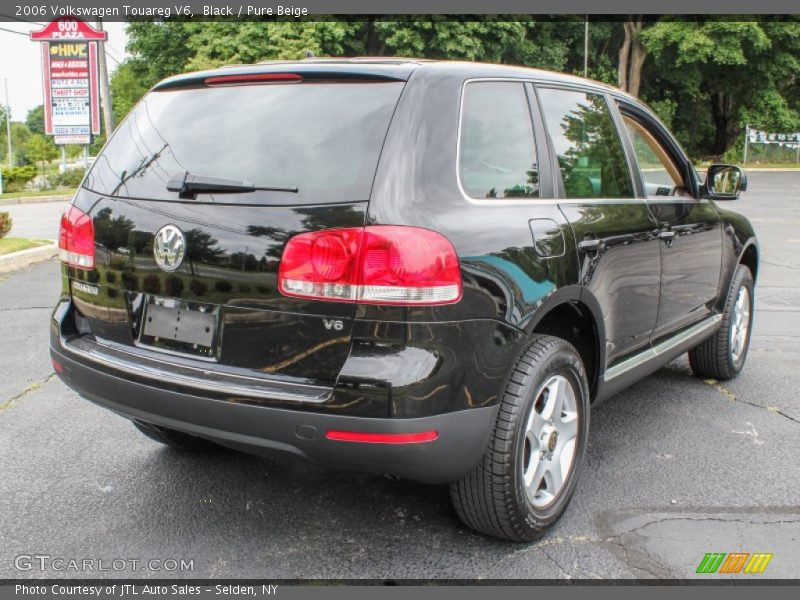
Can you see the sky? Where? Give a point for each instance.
(21, 64)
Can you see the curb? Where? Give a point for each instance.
(34, 200)
(23, 258)
(770, 170)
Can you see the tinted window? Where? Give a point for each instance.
(587, 143)
(498, 155)
(323, 138)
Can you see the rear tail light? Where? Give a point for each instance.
(381, 264)
(76, 239)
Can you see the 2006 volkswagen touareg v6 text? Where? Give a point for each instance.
(429, 269)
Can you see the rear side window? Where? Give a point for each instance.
(322, 138)
(587, 143)
(497, 154)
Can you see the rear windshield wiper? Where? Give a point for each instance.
(187, 184)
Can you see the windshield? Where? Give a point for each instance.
(322, 138)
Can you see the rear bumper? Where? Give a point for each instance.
(460, 442)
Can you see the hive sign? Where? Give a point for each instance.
(69, 79)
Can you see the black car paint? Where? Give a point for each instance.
(520, 260)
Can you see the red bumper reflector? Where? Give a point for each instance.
(57, 366)
(252, 78)
(382, 438)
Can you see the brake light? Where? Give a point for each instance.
(252, 78)
(76, 239)
(380, 264)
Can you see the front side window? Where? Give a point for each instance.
(497, 154)
(587, 143)
(660, 174)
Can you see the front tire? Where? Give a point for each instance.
(722, 355)
(530, 469)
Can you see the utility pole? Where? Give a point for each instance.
(746, 139)
(8, 126)
(586, 47)
(105, 91)
(9, 157)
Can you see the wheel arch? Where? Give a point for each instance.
(749, 258)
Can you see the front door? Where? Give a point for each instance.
(689, 228)
(616, 234)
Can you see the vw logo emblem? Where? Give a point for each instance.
(169, 247)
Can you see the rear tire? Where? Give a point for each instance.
(722, 356)
(175, 439)
(527, 476)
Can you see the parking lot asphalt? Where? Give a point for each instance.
(676, 467)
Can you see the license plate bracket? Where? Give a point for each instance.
(180, 326)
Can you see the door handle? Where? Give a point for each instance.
(592, 245)
(667, 236)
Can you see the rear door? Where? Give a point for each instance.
(193, 276)
(615, 232)
(689, 227)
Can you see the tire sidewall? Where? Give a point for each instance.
(742, 279)
(563, 361)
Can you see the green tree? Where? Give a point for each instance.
(126, 90)
(19, 138)
(720, 74)
(40, 149)
(158, 49)
(706, 77)
(35, 119)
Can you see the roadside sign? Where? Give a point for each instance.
(81, 140)
(70, 79)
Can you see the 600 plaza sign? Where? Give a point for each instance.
(70, 79)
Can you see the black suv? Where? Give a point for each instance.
(430, 269)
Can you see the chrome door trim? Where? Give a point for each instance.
(698, 329)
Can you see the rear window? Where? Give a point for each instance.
(322, 138)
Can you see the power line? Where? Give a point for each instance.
(13, 18)
(12, 31)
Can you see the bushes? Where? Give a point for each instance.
(70, 178)
(15, 178)
(5, 224)
(174, 285)
(151, 284)
(198, 287)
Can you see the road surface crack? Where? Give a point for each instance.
(28, 389)
(732, 397)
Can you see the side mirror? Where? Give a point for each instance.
(724, 182)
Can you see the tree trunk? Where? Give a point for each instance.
(720, 106)
(624, 53)
(373, 43)
(638, 56)
(632, 55)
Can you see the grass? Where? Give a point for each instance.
(38, 193)
(9, 245)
